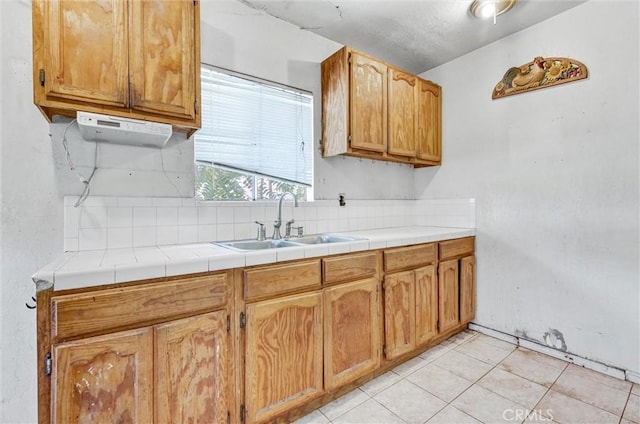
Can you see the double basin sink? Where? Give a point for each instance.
(249, 245)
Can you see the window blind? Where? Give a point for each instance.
(255, 127)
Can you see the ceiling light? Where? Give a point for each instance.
(484, 9)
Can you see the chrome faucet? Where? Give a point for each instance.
(278, 222)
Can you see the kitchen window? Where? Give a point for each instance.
(256, 139)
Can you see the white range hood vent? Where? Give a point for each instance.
(113, 129)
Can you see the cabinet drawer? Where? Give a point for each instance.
(455, 248)
(409, 257)
(350, 267)
(102, 311)
(275, 280)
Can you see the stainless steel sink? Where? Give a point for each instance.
(325, 238)
(249, 245)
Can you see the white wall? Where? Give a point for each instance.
(30, 217)
(555, 176)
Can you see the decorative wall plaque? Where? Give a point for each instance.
(540, 73)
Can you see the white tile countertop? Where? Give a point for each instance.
(100, 267)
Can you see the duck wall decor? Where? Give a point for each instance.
(539, 73)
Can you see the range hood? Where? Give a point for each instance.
(117, 130)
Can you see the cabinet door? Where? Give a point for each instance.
(399, 313)
(448, 295)
(368, 107)
(191, 371)
(164, 57)
(86, 51)
(428, 125)
(426, 304)
(467, 289)
(283, 356)
(402, 113)
(351, 332)
(105, 379)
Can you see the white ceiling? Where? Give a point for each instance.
(416, 35)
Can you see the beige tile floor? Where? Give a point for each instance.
(473, 378)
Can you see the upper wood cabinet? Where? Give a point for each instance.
(428, 122)
(402, 113)
(373, 110)
(136, 59)
(368, 107)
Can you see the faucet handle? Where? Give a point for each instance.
(262, 231)
(287, 232)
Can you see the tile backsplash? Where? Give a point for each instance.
(123, 222)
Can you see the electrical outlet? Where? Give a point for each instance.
(341, 199)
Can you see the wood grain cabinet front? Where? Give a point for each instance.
(137, 59)
(174, 372)
(155, 352)
(351, 332)
(373, 110)
(283, 355)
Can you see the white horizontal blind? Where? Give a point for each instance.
(256, 128)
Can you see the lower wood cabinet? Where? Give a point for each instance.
(174, 372)
(410, 310)
(283, 355)
(169, 351)
(467, 289)
(191, 373)
(351, 332)
(448, 292)
(104, 379)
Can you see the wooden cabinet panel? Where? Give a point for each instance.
(409, 257)
(448, 308)
(348, 267)
(111, 309)
(456, 248)
(335, 103)
(426, 304)
(399, 313)
(133, 59)
(368, 107)
(106, 379)
(467, 289)
(84, 41)
(163, 58)
(428, 122)
(283, 355)
(191, 380)
(351, 332)
(402, 114)
(280, 279)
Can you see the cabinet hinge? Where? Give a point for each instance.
(228, 417)
(228, 323)
(438, 325)
(41, 77)
(243, 320)
(384, 350)
(195, 107)
(243, 413)
(383, 285)
(47, 364)
(349, 59)
(349, 138)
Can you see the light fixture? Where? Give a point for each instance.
(484, 9)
